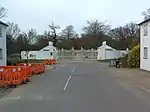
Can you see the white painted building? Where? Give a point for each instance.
(145, 45)
(3, 50)
(107, 52)
(48, 52)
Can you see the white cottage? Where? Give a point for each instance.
(107, 52)
(145, 45)
(48, 52)
(3, 50)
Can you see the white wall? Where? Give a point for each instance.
(3, 62)
(101, 53)
(39, 55)
(98, 54)
(48, 52)
(109, 54)
(144, 42)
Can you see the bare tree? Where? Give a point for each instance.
(96, 28)
(146, 14)
(46, 33)
(31, 36)
(68, 32)
(13, 30)
(121, 33)
(131, 29)
(118, 33)
(125, 35)
(53, 32)
(76, 35)
(2, 12)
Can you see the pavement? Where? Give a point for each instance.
(75, 86)
(136, 79)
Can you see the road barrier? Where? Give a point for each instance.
(50, 61)
(34, 68)
(12, 76)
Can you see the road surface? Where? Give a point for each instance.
(74, 86)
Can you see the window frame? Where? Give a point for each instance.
(31, 55)
(1, 51)
(144, 54)
(1, 31)
(145, 29)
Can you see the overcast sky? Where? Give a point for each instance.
(38, 14)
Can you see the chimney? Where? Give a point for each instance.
(50, 43)
(104, 43)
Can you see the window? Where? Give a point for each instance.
(1, 53)
(51, 54)
(0, 31)
(31, 55)
(123, 54)
(145, 32)
(145, 52)
(45, 49)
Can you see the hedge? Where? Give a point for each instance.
(132, 59)
(17, 61)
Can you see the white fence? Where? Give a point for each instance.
(77, 54)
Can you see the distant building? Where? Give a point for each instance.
(107, 52)
(3, 50)
(48, 52)
(145, 45)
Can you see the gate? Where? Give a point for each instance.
(82, 54)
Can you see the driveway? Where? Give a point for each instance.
(75, 86)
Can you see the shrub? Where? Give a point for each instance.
(133, 59)
(124, 61)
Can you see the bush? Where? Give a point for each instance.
(133, 59)
(13, 62)
(124, 61)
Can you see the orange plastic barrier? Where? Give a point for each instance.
(13, 76)
(17, 78)
(6, 77)
(34, 68)
(38, 68)
(50, 61)
(54, 61)
(27, 69)
(3, 78)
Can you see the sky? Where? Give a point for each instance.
(38, 14)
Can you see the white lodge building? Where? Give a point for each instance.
(48, 52)
(145, 45)
(3, 49)
(107, 52)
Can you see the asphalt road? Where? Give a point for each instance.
(74, 86)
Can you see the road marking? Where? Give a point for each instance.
(73, 69)
(10, 98)
(66, 85)
(30, 98)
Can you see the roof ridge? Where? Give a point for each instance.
(1, 22)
